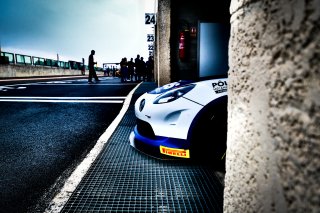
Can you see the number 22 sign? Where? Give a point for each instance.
(150, 18)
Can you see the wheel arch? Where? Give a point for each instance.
(211, 124)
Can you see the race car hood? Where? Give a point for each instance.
(212, 88)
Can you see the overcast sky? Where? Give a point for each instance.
(72, 28)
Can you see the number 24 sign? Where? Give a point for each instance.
(150, 18)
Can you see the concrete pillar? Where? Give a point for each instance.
(163, 68)
(273, 148)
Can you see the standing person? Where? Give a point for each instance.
(83, 68)
(124, 69)
(149, 68)
(92, 71)
(131, 69)
(113, 71)
(143, 69)
(138, 70)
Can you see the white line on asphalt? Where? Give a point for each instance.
(72, 182)
(63, 98)
(68, 84)
(61, 101)
(43, 78)
(109, 100)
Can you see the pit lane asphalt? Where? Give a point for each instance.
(115, 177)
(37, 138)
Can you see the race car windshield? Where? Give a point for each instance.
(170, 86)
(173, 94)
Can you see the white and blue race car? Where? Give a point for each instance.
(183, 120)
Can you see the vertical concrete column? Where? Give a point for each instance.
(163, 68)
(273, 148)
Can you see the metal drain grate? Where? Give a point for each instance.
(124, 180)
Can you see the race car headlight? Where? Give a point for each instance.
(174, 94)
(141, 105)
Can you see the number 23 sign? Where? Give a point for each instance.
(150, 18)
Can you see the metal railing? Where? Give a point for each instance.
(13, 58)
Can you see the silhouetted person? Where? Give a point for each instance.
(113, 71)
(131, 69)
(92, 71)
(142, 69)
(83, 68)
(124, 69)
(138, 69)
(149, 68)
